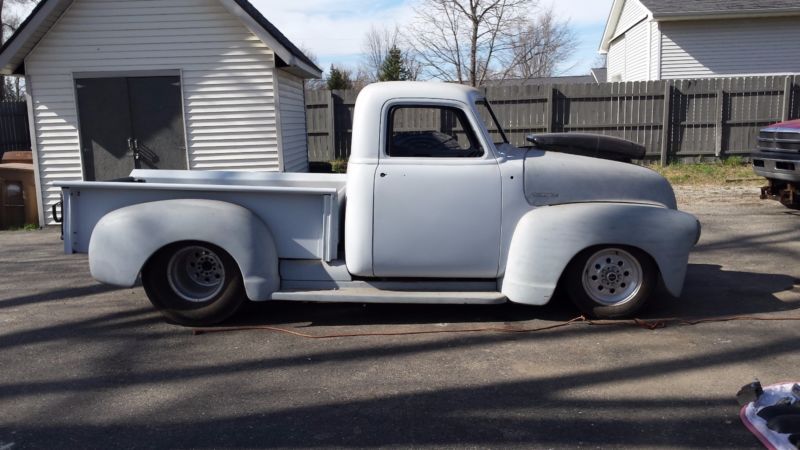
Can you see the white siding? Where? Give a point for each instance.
(616, 59)
(227, 77)
(637, 40)
(655, 51)
(628, 53)
(632, 13)
(729, 47)
(292, 106)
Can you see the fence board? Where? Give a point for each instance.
(343, 102)
(14, 131)
(318, 126)
(674, 119)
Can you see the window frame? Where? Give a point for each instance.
(462, 113)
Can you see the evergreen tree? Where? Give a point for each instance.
(339, 79)
(394, 68)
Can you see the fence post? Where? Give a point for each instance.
(549, 113)
(666, 123)
(719, 122)
(331, 126)
(788, 87)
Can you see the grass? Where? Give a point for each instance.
(724, 173)
(339, 166)
(27, 227)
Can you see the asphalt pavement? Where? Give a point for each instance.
(89, 366)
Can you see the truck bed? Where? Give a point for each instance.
(302, 210)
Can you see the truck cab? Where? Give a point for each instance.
(416, 181)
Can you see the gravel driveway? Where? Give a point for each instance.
(88, 366)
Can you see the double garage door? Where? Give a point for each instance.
(130, 123)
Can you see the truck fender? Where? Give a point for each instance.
(547, 238)
(124, 239)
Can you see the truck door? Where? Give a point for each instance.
(437, 205)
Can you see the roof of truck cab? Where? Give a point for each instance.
(383, 92)
(373, 98)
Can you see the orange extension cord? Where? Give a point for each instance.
(648, 325)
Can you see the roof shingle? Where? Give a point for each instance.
(723, 7)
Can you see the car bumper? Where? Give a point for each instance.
(777, 166)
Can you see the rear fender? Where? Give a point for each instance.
(124, 239)
(546, 239)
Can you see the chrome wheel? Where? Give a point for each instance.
(612, 277)
(196, 274)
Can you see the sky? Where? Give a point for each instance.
(334, 30)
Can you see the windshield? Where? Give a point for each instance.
(490, 120)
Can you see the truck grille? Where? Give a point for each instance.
(779, 141)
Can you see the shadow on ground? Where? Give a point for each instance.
(708, 292)
(536, 411)
(57, 295)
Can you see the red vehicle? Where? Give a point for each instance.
(777, 158)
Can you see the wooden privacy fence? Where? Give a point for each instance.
(329, 134)
(14, 131)
(673, 119)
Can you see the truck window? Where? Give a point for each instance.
(432, 132)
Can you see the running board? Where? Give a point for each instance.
(372, 295)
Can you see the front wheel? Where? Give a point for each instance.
(193, 283)
(610, 281)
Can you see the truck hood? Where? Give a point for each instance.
(558, 178)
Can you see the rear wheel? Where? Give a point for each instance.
(193, 283)
(610, 281)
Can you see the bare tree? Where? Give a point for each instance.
(377, 43)
(9, 22)
(361, 78)
(12, 86)
(316, 83)
(309, 53)
(413, 64)
(600, 61)
(460, 40)
(538, 48)
(10, 18)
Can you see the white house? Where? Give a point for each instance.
(668, 39)
(169, 84)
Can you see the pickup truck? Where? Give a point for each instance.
(436, 207)
(777, 159)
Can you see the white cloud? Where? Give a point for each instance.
(333, 28)
(580, 12)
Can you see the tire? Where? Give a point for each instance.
(193, 283)
(608, 282)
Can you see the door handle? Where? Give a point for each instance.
(133, 147)
(383, 175)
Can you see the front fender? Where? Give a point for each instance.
(546, 239)
(124, 239)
